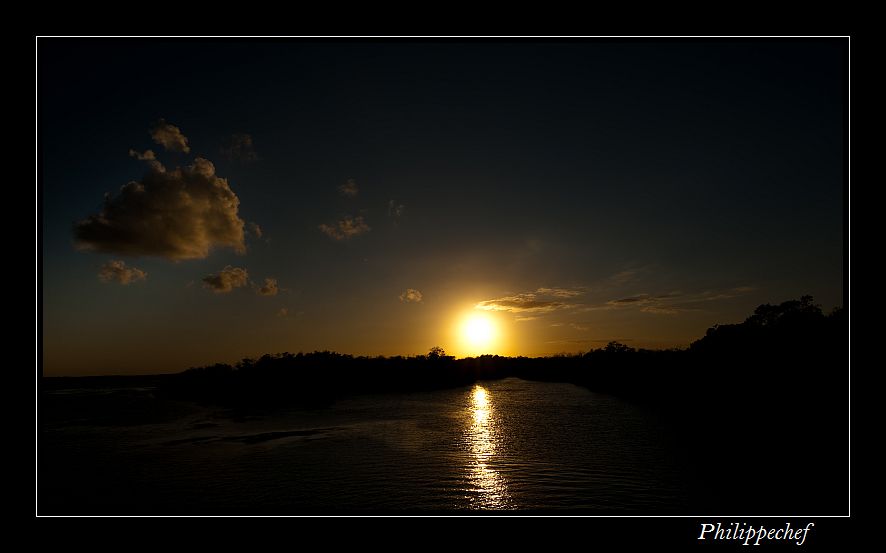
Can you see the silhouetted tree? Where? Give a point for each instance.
(436, 352)
(618, 347)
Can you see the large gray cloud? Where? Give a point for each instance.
(178, 214)
(117, 271)
(226, 280)
(170, 137)
(346, 228)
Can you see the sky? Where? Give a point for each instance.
(203, 201)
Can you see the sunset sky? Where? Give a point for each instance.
(205, 201)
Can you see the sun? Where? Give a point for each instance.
(478, 334)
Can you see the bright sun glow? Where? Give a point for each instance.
(478, 333)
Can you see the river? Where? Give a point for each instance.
(503, 445)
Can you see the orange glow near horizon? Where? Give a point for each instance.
(478, 334)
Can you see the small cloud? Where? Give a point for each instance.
(255, 230)
(345, 229)
(147, 155)
(657, 305)
(395, 209)
(269, 288)
(542, 300)
(349, 189)
(559, 292)
(672, 303)
(624, 277)
(117, 271)
(170, 137)
(179, 214)
(525, 319)
(519, 303)
(283, 312)
(240, 147)
(577, 326)
(643, 298)
(411, 295)
(226, 280)
(661, 310)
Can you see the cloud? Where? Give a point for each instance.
(395, 209)
(525, 319)
(226, 280)
(543, 300)
(240, 147)
(626, 276)
(519, 303)
(345, 229)
(657, 305)
(117, 271)
(147, 155)
(559, 292)
(283, 312)
(255, 230)
(349, 189)
(661, 310)
(269, 288)
(672, 303)
(637, 299)
(170, 137)
(179, 214)
(411, 295)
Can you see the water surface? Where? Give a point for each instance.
(499, 445)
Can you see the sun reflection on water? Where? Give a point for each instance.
(490, 489)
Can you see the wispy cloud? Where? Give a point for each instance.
(349, 189)
(170, 137)
(625, 276)
(255, 230)
(672, 303)
(117, 271)
(240, 147)
(525, 319)
(346, 228)
(226, 280)
(411, 295)
(542, 300)
(395, 209)
(559, 292)
(519, 303)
